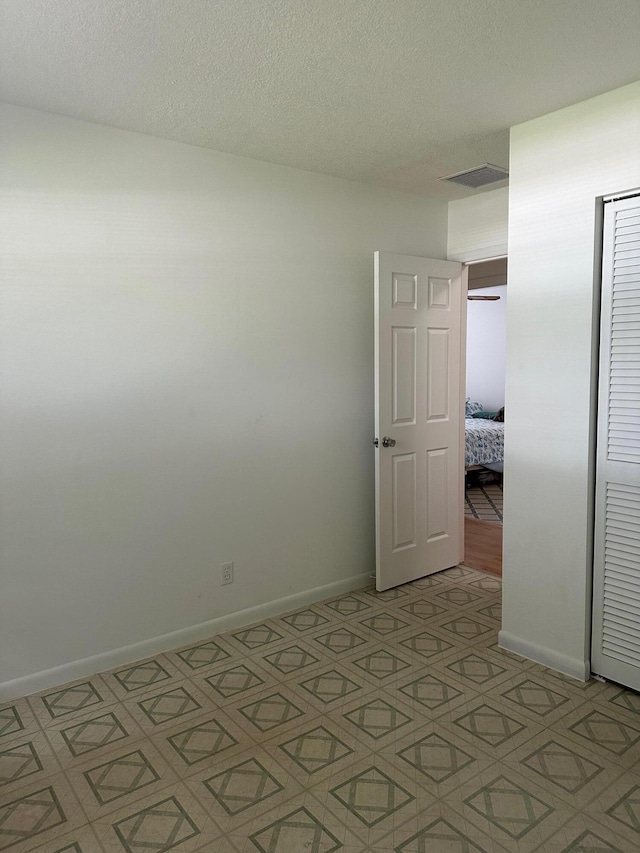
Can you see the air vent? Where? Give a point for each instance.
(480, 176)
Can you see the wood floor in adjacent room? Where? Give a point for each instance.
(483, 545)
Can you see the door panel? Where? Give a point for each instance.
(404, 375)
(420, 313)
(404, 501)
(615, 650)
(437, 374)
(437, 493)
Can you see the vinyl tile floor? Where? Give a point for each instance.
(369, 722)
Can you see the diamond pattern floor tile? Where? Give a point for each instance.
(429, 582)
(427, 645)
(316, 749)
(436, 757)
(70, 700)
(340, 641)
(235, 681)
(290, 659)
(170, 820)
(202, 742)
(627, 809)
(490, 725)
(607, 732)
(476, 669)
(381, 664)
(10, 721)
(118, 779)
(628, 700)
(259, 635)
(430, 691)
(121, 776)
(30, 815)
(37, 811)
(562, 766)
(467, 628)
(79, 840)
(299, 830)
(146, 674)
(423, 609)
(243, 786)
(589, 842)
(458, 596)
(206, 654)
(509, 806)
(348, 605)
(458, 573)
(18, 762)
(371, 796)
(377, 718)
(28, 760)
(384, 624)
(271, 711)
(535, 697)
(492, 611)
(169, 706)
(370, 723)
(305, 620)
(439, 836)
(330, 686)
(487, 583)
(164, 825)
(95, 732)
(393, 594)
(585, 835)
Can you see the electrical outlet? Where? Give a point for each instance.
(227, 573)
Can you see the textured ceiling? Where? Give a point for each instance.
(391, 92)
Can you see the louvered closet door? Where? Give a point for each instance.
(616, 608)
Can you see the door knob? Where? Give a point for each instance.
(388, 442)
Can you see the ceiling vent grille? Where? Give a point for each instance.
(479, 176)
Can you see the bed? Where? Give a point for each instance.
(483, 442)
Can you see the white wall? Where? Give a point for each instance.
(486, 348)
(560, 164)
(186, 374)
(478, 226)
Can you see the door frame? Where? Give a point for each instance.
(469, 262)
(471, 259)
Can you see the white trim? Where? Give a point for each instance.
(621, 195)
(486, 260)
(486, 253)
(547, 657)
(85, 667)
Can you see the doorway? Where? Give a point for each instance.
(420, 426)
(484, 414)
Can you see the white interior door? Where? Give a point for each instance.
(615, 650)
(419, 416)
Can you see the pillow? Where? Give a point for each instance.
(485, 416)
(471, 407)
(500, 416)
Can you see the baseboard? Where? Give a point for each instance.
(86, 667)
(573, 667)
